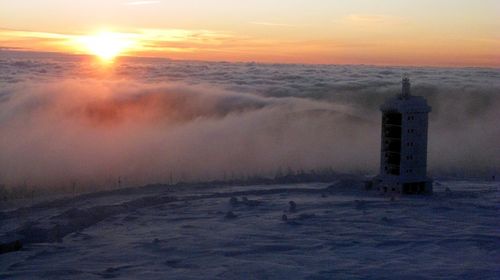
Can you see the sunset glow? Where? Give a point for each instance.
(438, 33)
(105, 45)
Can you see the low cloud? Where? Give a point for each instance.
(150, 120)
(93, 131)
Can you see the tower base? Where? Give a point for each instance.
(401, 188)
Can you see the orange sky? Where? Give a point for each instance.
(384, 32)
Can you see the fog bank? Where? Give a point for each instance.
(147, 123)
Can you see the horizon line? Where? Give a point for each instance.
(444, 66)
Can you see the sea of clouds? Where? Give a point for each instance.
(67, 119)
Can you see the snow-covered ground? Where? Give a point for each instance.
(338, 231)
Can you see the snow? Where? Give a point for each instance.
(337, 231)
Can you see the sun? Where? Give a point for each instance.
(106, 45)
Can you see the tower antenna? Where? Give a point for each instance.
(405, 93)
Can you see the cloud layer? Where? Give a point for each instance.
(149, 120)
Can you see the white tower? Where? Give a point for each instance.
(403, 162)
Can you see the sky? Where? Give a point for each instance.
(383, 32)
